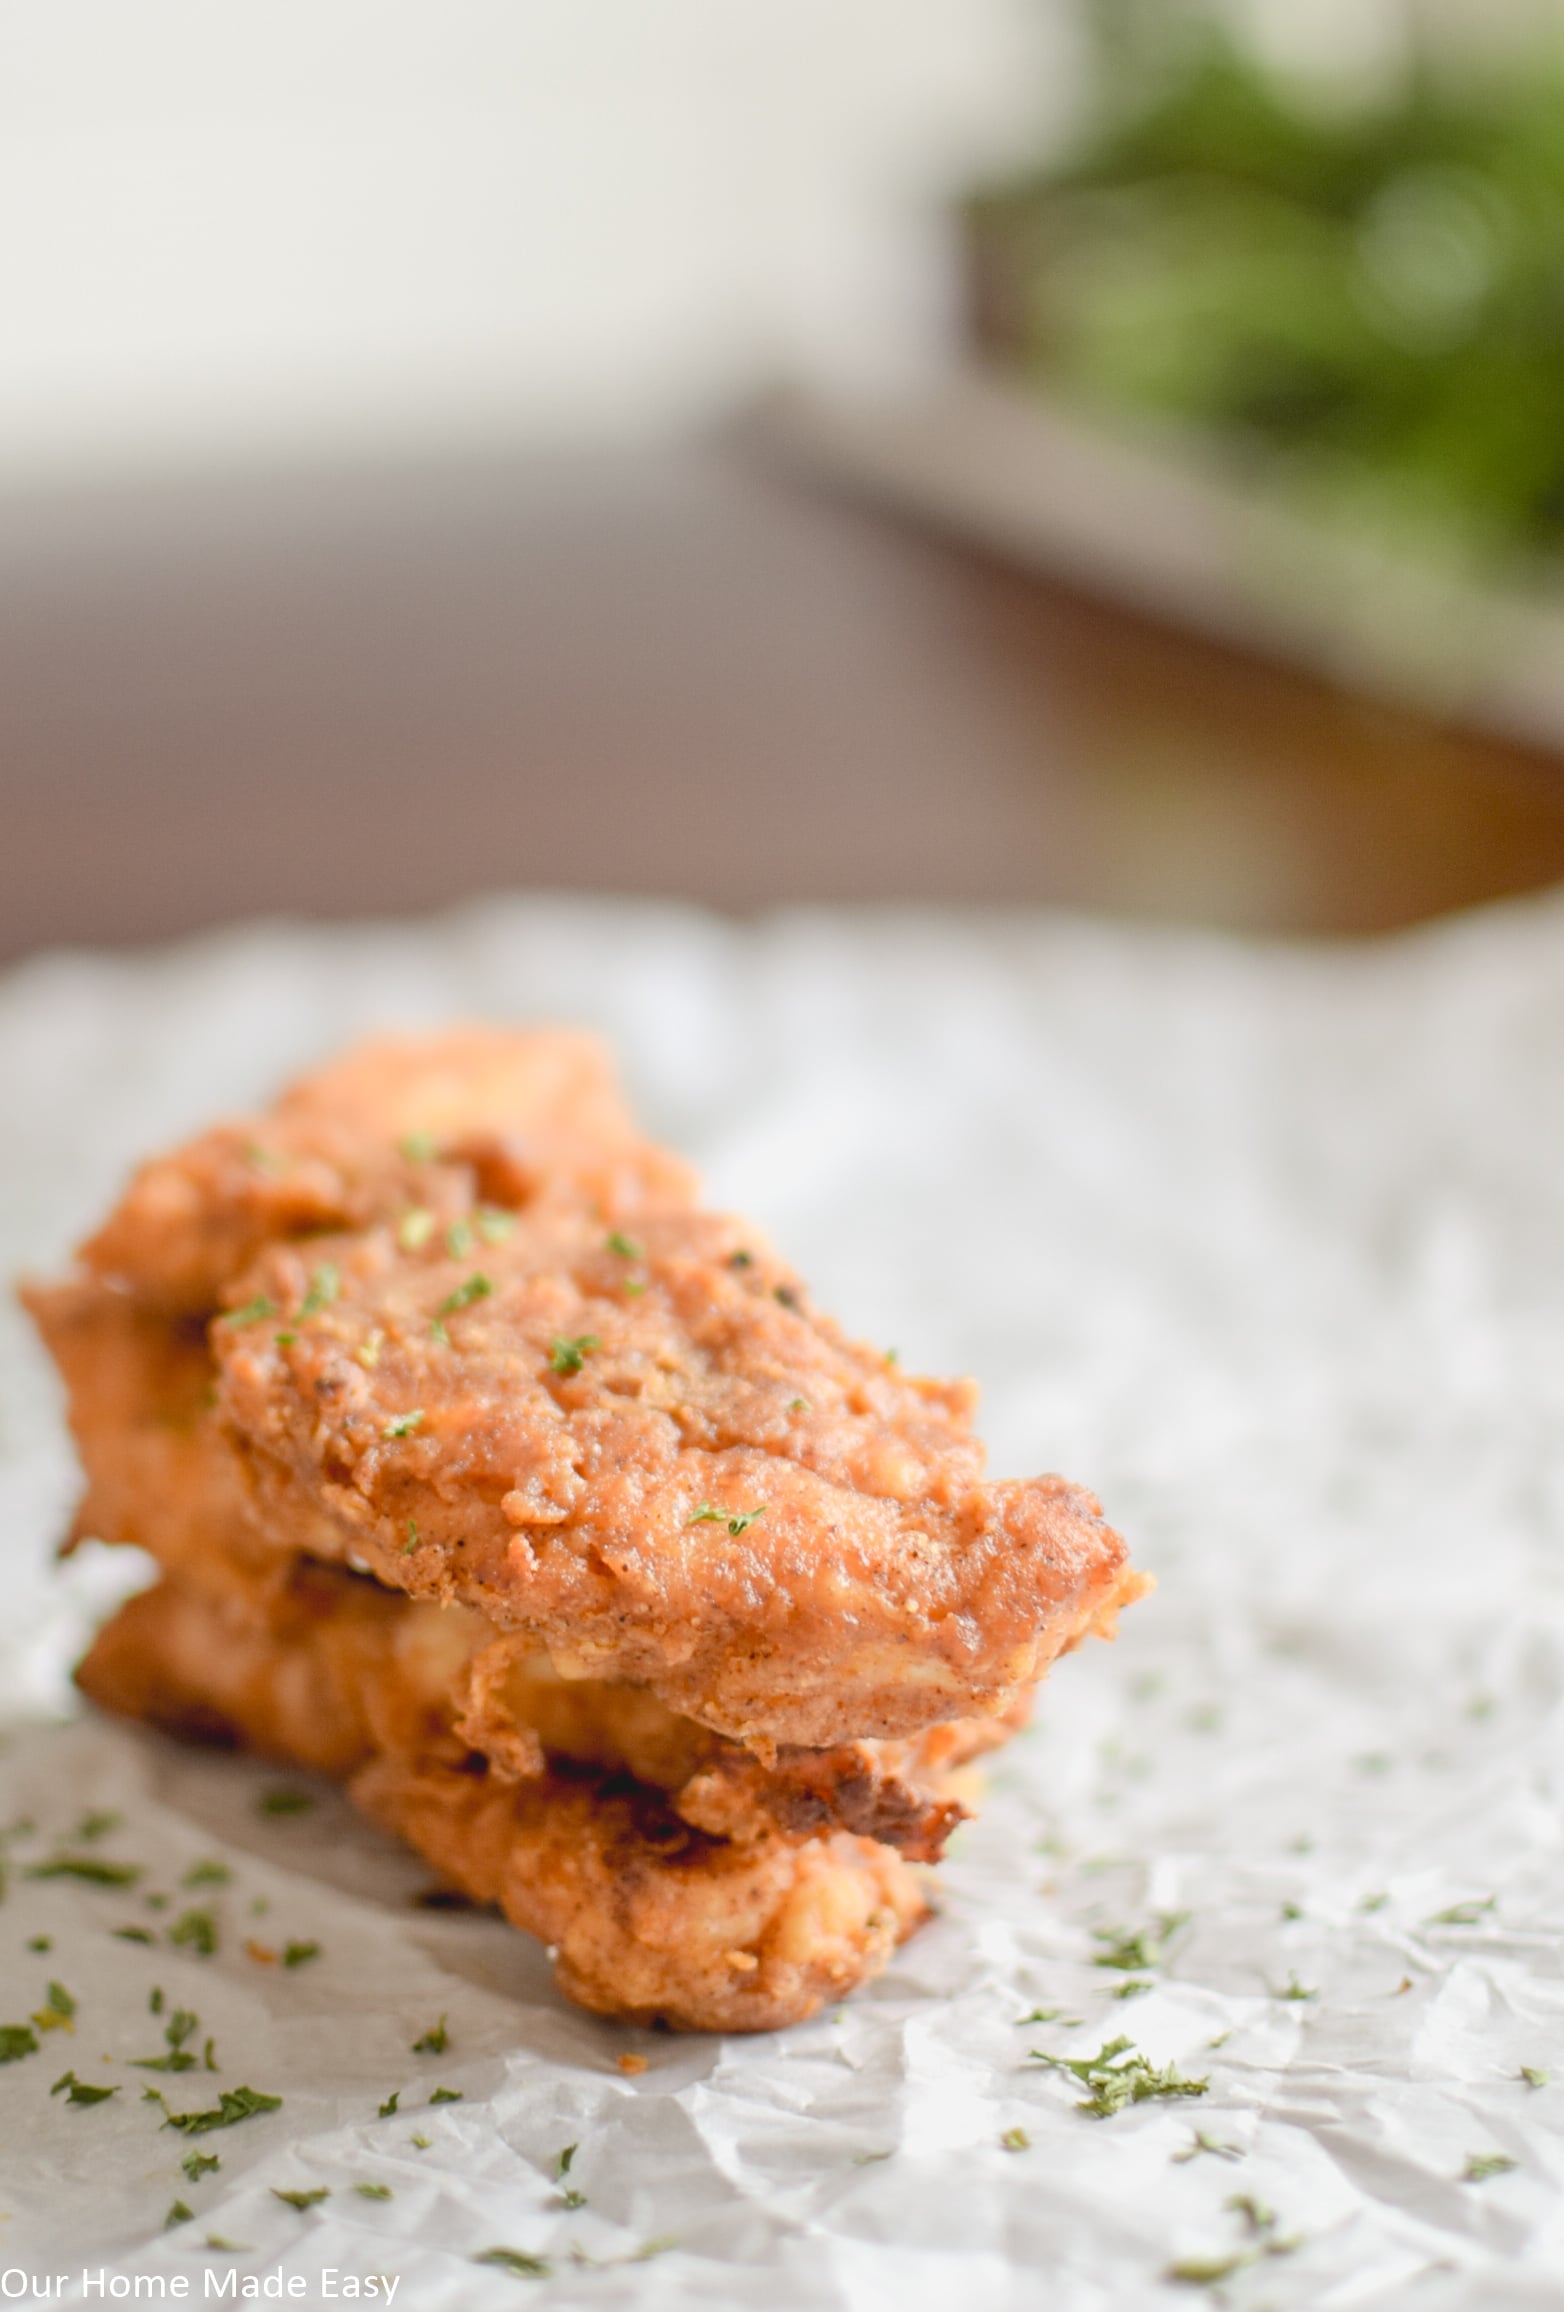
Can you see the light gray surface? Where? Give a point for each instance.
(1267, 1245)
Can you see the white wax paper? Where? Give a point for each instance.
(1264, 1243)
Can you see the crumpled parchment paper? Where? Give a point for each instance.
(1264, 1243)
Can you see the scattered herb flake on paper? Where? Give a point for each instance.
(1480, 2165)
(1461, 1914)
(181, 2025)
(87, 1869)
(1147, 1947)
(1201, 2142)
(80, 2090)
(58, 2012)
(284, 1802)
(195, 1931)
(1118, 2074)
(232, 2106)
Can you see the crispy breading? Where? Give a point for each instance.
(328, 1668)
(522, 1115)
(527, 1117)
(698, 1484)
(490, 1473)
(659, 1463)
(161, 1473)
(650, 1920)
(287, 1680)
(906, 1794)
(652, 1917)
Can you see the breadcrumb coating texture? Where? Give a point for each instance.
(501, 1358)
(651, 1917)
(489, 1472)
(329, 1669)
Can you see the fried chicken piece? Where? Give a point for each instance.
(161, 1473)
(653, 1919)
(322, 1671)
(529, 1118)
(697, 1484)
(329, 1668)
(649, 1920)
(491, 1474)
(645, 1454)
(906, 1794)
(514, 1115)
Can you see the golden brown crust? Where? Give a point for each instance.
(649, 1920)
(209, 1670)
(742, 1926)
(720, 1497)
(657, 1463)
(539, 1112)
(161, 1473)
(328, 1668)
(490, 1473)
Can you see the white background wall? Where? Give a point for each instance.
(236, 230)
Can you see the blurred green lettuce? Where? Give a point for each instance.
(1366, 304)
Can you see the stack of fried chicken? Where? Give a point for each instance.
(486, 1470)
